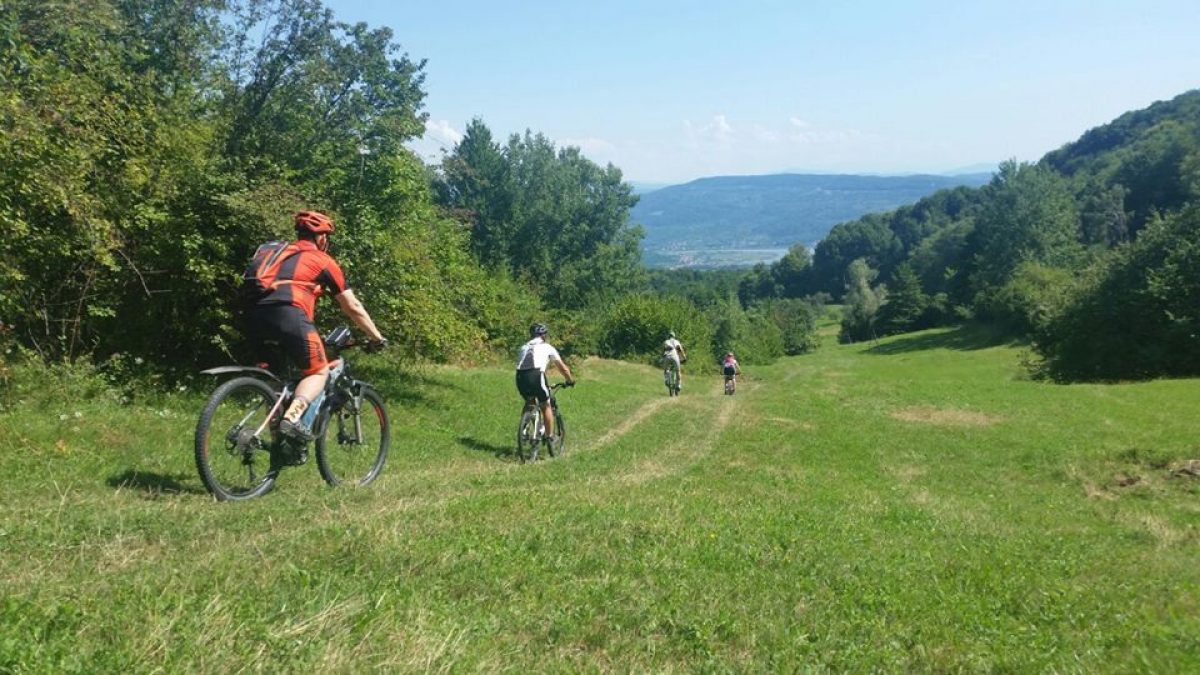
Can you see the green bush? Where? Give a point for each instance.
(750, 334)
(1024, 303)
(796, 320)
(1134, 315)
(634, 327)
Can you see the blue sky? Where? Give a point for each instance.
(670, 91)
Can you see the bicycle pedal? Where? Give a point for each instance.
(291, 455)
(295, 431)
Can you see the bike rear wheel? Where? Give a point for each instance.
(353, 439)
(527, 435)
(234, 438)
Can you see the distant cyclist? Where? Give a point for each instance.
(731, 369)
(284, 314)
(532, 360)
(674, 354)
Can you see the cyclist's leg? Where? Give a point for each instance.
(302, 344)
(547, 411)
(532, 386)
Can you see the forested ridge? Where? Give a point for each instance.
(148, 147)
(1091, 253)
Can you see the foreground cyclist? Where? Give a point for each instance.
(532, 360)
(284, 314)
(673, 355)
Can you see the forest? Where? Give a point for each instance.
(1091, 254)
(148, 147)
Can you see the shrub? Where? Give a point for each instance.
(634, 327)
(1136, 314)
(1024, 303)
(796, 319)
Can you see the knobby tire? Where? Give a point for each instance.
(527, 441)
(352, 444)
(233, 463)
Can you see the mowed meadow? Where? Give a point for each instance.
(915, 503)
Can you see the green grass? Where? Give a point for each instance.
(911, 504)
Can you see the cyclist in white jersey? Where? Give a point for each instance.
(532, 360)
(673, 352)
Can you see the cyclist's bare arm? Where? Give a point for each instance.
(562, 368)
(354, 309)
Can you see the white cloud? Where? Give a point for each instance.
(443, 132)
(717, 130)
(798, 123)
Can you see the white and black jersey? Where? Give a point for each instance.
(537, 353)
(532, 361)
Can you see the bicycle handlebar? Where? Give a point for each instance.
(341, 338)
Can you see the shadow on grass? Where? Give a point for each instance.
(502, 451)
(406, 389)
(966, 337)
(154, 483)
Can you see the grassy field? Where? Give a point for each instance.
(915, 504)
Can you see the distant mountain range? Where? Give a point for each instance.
(739, 220)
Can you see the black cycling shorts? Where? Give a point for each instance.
(531, 383)
(286, 329)
(730, 371)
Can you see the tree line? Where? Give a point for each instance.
(148, 147)
(1090, 253)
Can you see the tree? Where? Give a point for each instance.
(796, 319)
(906, 304)
(549, 215)
(862, 303)
(475, 182)
(1028, 215)
(868, 238)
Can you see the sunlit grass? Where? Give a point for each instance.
(911, 504)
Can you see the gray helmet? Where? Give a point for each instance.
(538, 330)
(670, 333)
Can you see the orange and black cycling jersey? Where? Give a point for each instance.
(303, 277)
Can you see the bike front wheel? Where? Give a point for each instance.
(234, 438)
(353, 439)
(527, 436)
(558, 443)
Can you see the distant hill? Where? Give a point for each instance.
(1121, 175)
(747, 219)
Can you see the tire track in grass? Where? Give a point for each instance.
(684, 453)
(639, 416)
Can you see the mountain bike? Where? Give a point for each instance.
(240, 452)
(531, 432)
(730, 385)
(671, 376)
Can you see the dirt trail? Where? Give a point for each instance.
(679, 456)
(639, 416)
